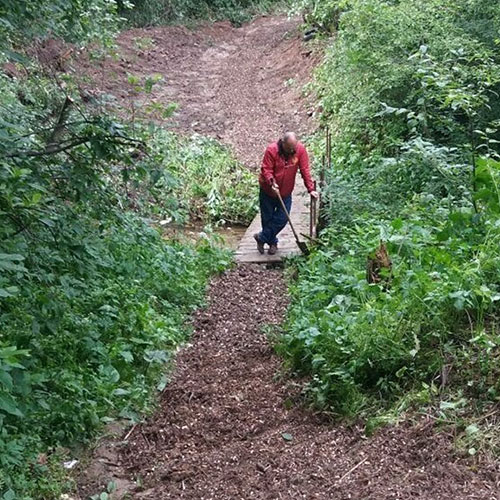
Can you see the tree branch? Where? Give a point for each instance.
(50, 149)
(59, 148)
(59, 128)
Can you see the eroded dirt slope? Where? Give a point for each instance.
(240, 85)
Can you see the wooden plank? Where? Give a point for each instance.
(247, 248)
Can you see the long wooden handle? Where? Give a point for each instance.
(288, 216)
(312, 217)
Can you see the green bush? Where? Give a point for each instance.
(74, 20)
(93, 301)
(147, 13)
(196, 178)
(322, 14)
(409, 90)
(88, 326)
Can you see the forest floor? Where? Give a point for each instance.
(229, 425)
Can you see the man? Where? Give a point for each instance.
(281, 161)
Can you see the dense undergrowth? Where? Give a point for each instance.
(410, 91)
(147, 13)
(196, 179)
(93, 300)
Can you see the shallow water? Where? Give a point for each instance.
(224, 236)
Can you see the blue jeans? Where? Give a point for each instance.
(272, 216)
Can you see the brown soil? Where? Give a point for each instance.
(242, 86)
(228, 426)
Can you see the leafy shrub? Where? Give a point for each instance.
(322, 14)
(146, 13)
(75, 20)
(87, 329)
(409, 90)
(93, 301)
(196, 178)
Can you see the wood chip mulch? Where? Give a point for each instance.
(242, 86)
(225, 428)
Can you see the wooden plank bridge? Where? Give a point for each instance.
(301, 219)
(304, 217)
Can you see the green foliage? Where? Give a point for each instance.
(410, 91)
(193, 179)
(147, 13)
(93, 300)
(322, 14)
(177, 178)
(74, 20)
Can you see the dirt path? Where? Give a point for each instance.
(227, 426)
(242, 86)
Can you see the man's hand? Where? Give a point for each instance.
(314, 194)
(275, 187)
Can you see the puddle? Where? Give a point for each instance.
(224, 236)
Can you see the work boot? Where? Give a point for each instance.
(260, 245)
(273, 248)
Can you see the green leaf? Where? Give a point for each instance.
(127, 356)
(286, 436)
(9, 495)
(47, 222)
(16, 56)
(111, 373)
(10, 291)
(397, 223)
(8, 405)
(120, 392)
(11, 256)
(8, 265)
(452, 405)
(162, 383)
(471, 429)
(6, 379)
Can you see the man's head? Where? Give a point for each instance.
(289, 143)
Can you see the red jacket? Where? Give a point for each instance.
(276, 168)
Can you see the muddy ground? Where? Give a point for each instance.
(228, 425)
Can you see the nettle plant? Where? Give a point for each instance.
(92, 300)
(415, 164)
